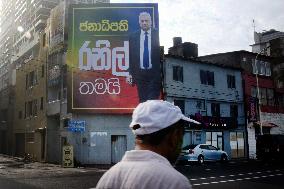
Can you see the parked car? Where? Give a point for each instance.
(202, 152)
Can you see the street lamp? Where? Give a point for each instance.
(257, 86)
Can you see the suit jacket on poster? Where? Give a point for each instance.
(134, 57)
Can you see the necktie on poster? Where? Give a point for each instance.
(146, 52)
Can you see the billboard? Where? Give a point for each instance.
(113, 57)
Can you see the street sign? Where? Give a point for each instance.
(76, 126)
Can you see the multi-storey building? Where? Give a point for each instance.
(211, 94)
(22, 25)
(6, 75)
(268, 116)
(106, 138)
(272, 39)
(29, 129)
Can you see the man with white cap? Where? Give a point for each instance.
(159, 127)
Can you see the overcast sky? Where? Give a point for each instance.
(216, 25)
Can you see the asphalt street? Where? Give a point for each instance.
(235, 175)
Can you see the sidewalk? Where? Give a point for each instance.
(13, 167)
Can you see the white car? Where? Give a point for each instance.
(201, 153)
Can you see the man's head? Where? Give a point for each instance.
(145, 21)
(159, 126)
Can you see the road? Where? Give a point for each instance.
(235, 174)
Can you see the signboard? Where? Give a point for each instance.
(68, 158)
(252, 109)
(113, 64)
(76, 126)
(210, 122)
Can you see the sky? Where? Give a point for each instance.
(216, 25)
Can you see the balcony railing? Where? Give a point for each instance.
(53, 108)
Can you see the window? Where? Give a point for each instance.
(180, 104)
(234, 111)
(200, 105)
(204, 147)
(215, 139)
(34, 109)
(266, 95)
(4, 115)
(270, 97)
(44, 40)
(31, 79)
(279, 99)
(41, 103)
(20, 114)
(25, 116)
(215, 109)
(27, 81)
(254, 92)
(261, 67)
(237, 144)
(263, 97)
(207, 77)
(267, 69)
(212, 148)
(231, 81)
(178, 73)
(29, 109)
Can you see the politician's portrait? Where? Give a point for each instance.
(144, 57)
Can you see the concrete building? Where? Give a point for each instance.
(271, 108)
(106, 136)
(6, 76)
(272, 39)
(29, 129)
(201, 91)
(22, 30)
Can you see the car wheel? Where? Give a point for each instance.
(224, 158)
(200, 159)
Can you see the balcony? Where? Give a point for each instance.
(53, 108)
(25, 46)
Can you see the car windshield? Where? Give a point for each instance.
(191, 146)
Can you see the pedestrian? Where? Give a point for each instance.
(144, 56)
(158, 127)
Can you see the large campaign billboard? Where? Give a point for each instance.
(113, 57)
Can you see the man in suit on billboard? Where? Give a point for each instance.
(144, 55)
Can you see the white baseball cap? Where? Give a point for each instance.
(154, 115)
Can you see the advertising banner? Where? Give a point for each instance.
(113, 57)
(252, 109)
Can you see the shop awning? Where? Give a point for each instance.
(265, 124)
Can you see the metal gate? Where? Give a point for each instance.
(118, 147)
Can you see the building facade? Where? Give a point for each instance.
(24, 41)
(105, 138)
(266, 115)
(201, 91)
(29, 128)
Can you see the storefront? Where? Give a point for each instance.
(221, 132)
